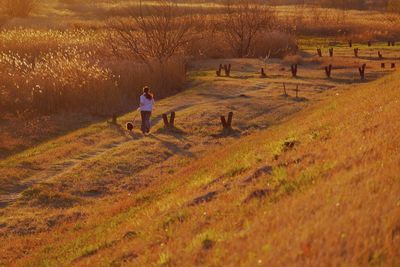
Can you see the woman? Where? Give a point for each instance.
(146, 107)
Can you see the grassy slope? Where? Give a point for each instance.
(320, 188)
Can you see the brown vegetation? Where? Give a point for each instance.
(18, 8)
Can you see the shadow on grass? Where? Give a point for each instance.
(173, 147)
(229, 132)
(172, 130)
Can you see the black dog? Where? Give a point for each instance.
(129, 126)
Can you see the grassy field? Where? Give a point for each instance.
(307, 176)
(300, 181)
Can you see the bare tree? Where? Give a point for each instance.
(157, 32)
(243, 21)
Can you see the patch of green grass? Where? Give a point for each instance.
(279, 147)
(207, 236)
(164, 259)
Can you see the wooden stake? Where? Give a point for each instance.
(284, 90)
(294, 70)
(328, 71)
(356, 52)
(227, 124)
(172, 119)
(319, 52)
(263, 75)
(362, 71)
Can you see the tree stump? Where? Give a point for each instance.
(293, 68)
(383, 65)
(227, 124)
(369, 43)
(319, 51)
(393, 65)
(380, 55)
(356, 50)
(331, 52)
(362, 71)
(328, 71)
(350, 43)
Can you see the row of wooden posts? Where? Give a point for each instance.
(356, 52)
(369, 43)
(170, 122)
(226, 122)
(328, 70)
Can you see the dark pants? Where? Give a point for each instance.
(145, 121)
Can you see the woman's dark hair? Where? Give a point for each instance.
(147, 94)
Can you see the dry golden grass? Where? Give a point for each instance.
(310, 180)
(303, 191)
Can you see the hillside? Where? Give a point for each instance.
(312, 180)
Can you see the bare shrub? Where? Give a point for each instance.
(293, 59)
(242, 23)
(18, 8)
(276, 44)
(161, 34)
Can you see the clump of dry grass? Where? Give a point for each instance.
(53, 71)
(18, 8)
(53, 82)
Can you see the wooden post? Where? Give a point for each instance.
(362, 71)
(380, 55)
(356, 52)
(350, 43)
(328, 71)
(165, 119)
(227, 69)
(331, 52)
(227, 124)
(383, 65)
(230, 118)
(219, 70)
(169, 123)
(389, 43)
(369, 43)
(223, 122)
(319, 52)
(263, 75)
(294, 70)
(172, 119)
(284, 90)
(393, 65)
